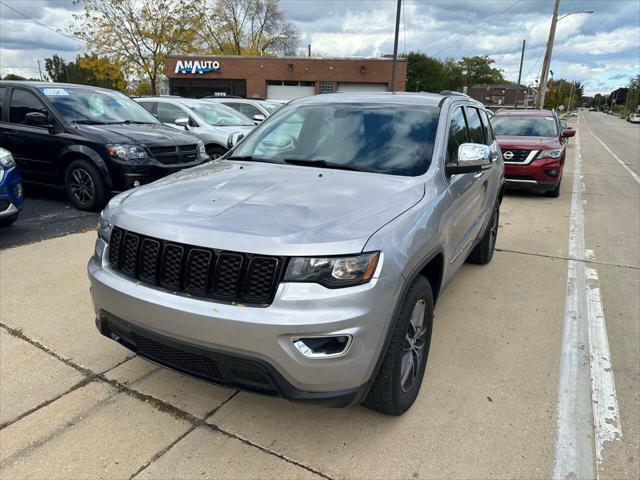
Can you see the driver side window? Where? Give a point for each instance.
(458, 134)
(168, 113)
(283, 138)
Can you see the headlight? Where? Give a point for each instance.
(6, 159)
(333, 272)
(202, 152)
(555, 153)
(104, 229)
(129, 154)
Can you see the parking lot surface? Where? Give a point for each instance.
(534, 369)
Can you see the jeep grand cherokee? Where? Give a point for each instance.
(307, 261)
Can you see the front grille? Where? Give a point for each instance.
(171, 155)
(518, 155)
(189, 362)
(202, 272)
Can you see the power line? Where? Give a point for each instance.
(41, 24)
(486, 20)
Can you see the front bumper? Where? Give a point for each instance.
(11, 194)
(240, 339)
(538, 175)
(125, 177)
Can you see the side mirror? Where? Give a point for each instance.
(37, 119)
(472, 157)
(182, 122)
(234, 139)
(568, 132)
(258, 117)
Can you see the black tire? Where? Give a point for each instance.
(483, 251)
(389, 394)
(9, 219)
(215, 151)
(555, 193)
(84, 186)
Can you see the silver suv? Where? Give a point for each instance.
(307, 261)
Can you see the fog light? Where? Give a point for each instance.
(552, 172)
(17, 190)
(322, 346)
(136, 183)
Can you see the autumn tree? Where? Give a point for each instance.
(560, 93)
(138, 34)
(86, 70)
(246, 27)
(479, 69)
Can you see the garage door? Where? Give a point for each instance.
(362, 87)
(289, 92)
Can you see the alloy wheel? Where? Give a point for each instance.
(413, 349)
(82, 187)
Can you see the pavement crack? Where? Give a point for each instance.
(581, 260)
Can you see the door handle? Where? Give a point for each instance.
(479, 174)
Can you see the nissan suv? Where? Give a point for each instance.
(533, 145)
(90, 141)
(307, 261)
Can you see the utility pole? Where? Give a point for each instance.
(573, 84)
(392, 86)
(547, 54)
(524, 42)
(309, 47)
(39, 70)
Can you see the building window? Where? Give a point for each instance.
(291, 83)
(327, 87)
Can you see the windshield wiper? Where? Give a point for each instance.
(87, 122)
(250, 158)
(127, 122)
(325, 164)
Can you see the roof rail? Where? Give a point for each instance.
(447, 93)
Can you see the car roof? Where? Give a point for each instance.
(405, 98)
(523, 112)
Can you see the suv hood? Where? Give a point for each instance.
(266, 208)
(147, 134)
(527, 143)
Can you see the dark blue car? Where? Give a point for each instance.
(11, 196)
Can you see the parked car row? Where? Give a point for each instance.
(94, 142)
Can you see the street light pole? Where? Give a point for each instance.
(547, 54)
(392, 86)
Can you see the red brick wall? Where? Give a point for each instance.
(257, 70)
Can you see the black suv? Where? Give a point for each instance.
(90, 141)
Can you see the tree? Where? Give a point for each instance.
(86, 70)
(478, 69)
(137, 34)
(13, 76)
(429, 74)
(246, 27)
(560, 94)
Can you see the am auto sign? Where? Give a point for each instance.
(197, 66)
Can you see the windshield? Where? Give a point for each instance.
(218, 114)
(383, 138)
(96, 107)
(525, 126)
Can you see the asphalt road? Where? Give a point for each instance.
(46, 214)
(534, 369)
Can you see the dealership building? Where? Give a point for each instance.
(279, 78)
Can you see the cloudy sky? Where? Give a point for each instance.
(601, 49)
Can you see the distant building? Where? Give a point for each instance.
(503, 96)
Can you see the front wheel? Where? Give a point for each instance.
(555, 193)
(85, 186)
(398, 382)
(215, 151)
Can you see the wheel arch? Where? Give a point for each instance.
(82, 152)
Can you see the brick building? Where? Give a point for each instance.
(280, 78)
(503, 96)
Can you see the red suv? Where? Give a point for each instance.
(533, 148)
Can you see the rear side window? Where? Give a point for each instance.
(23, 102)
(476, 131)
(148, 106)
(3, 92)
(168, 113)
(457, 134)
(488, 133)
(249, 110)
